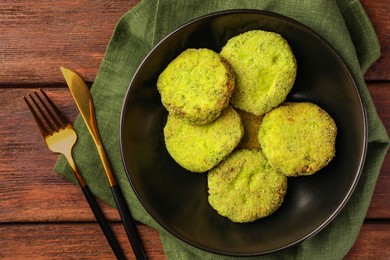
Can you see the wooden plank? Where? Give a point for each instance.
(372, 243)
(378, 12)
(70, 241)
(31, 191)
(85, 241)
(37, 37)
(380, 203)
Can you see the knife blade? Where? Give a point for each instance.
(84, 102)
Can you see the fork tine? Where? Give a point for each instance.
(38, 120)
(63, 119)
(58, 119)
(42, 112)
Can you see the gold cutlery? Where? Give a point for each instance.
(60, 137)
(84, 102)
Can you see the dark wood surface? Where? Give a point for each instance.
(42, 216)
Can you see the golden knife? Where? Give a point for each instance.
(84, 102)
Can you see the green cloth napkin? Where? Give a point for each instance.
(343, 23)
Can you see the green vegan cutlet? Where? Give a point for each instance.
(265, 69)
(244, 187)
(298, 138)
(196, 85)
(198, 148)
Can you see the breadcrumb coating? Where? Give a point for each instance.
(198, 148)
(196, 85)
(265, 69)
(244, 187)
(298, 138)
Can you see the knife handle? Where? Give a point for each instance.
(103, 223)
(129, 223)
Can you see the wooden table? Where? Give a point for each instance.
(44, 216)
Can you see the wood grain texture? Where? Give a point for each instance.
(372, 243)
(378, 12)
(84, 241)
(70, 241)
(43, 216)
(37, 37)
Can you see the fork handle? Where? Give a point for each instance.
(129, 223)
(103, 223)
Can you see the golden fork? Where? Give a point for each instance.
(60, 137)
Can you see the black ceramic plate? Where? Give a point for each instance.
(177, 199)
